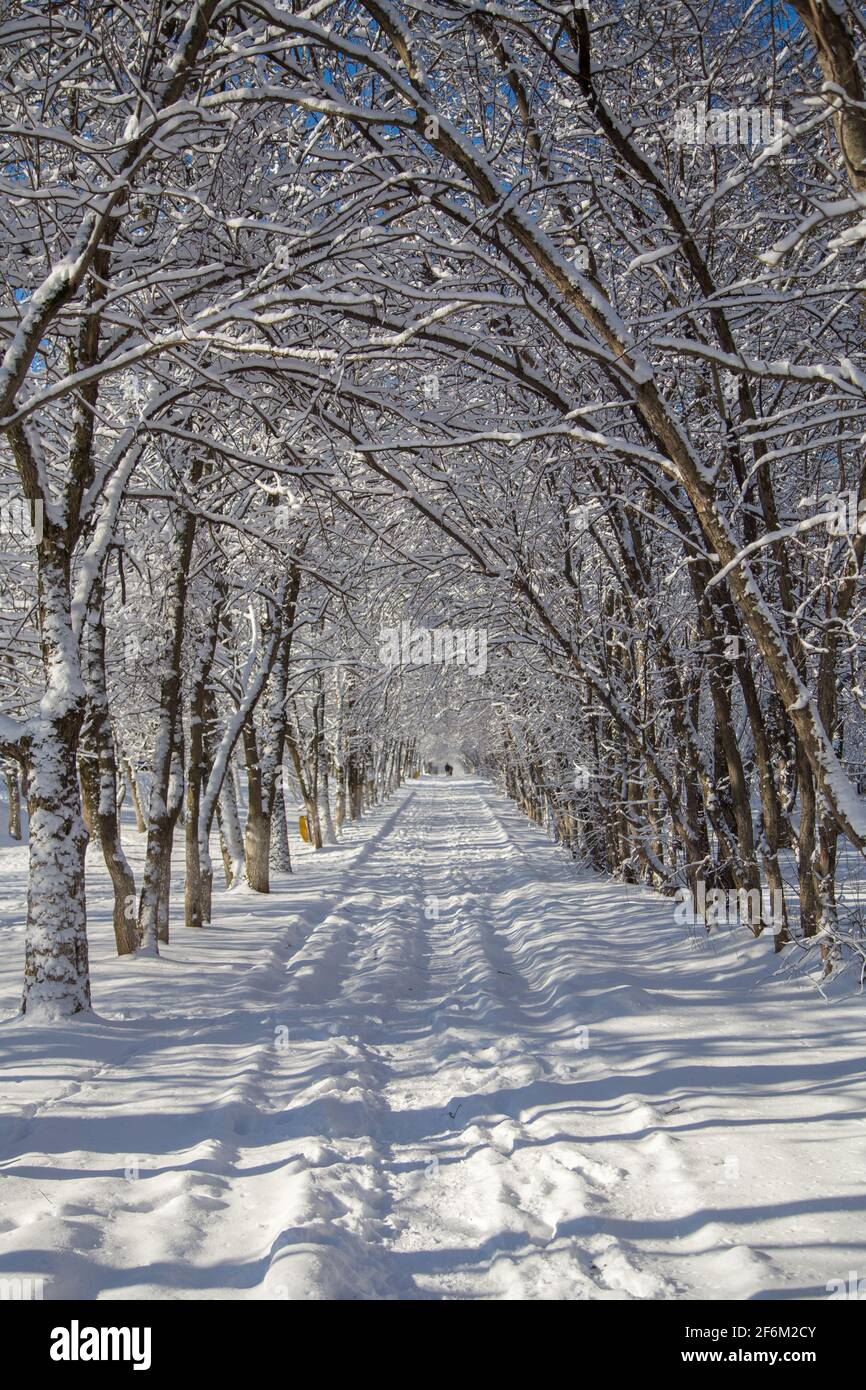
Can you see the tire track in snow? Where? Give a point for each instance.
(336, 1241)
(491, 1172)
(404, 1168)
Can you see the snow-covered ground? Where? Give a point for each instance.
(435, 1063)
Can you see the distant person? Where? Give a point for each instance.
(449, 769)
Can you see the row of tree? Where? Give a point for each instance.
(319, 319)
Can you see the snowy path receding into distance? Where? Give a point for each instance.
(435, 1063)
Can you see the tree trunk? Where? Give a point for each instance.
(196, 893)
(160, 826)
(175, 804)
(99, 774)
(257, 830)
(281, 858)
(230, 825)
(56, 966)
(132, 782)
(13, 798)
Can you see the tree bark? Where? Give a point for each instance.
(160, 827)
(13, 798)
(196, 894)
(99, 768)
(56, 965)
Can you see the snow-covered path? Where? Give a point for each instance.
(437, 1062)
